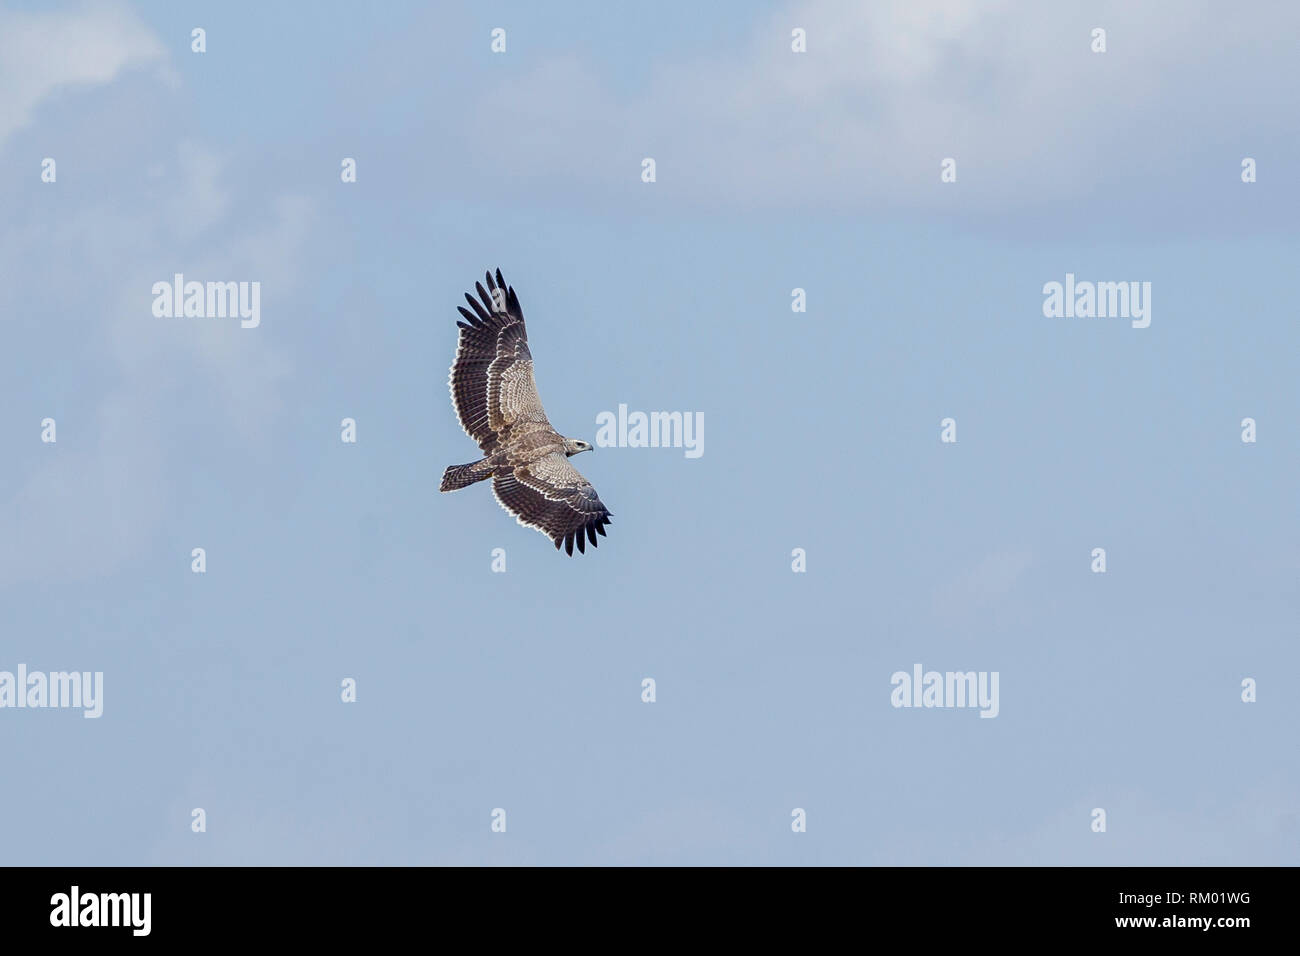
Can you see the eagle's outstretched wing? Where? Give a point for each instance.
(553, 497)
(491, 378)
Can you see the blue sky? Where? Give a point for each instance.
(522, 690)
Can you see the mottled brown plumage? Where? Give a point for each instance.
(496, 400)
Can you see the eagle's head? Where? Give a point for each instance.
(573, 446)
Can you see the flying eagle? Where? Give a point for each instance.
(496, 401)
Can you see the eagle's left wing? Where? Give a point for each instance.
(553, 497)
(491, 378)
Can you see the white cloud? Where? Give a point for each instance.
(96, 498)
(44, 53)
(888, 89)
(81, 303)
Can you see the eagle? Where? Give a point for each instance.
(496, 400)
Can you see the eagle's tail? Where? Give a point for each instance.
(461, 476)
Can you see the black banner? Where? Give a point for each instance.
(1150, 905)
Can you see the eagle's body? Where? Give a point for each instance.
(496, 400)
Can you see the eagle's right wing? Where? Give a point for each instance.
(491, 378)
(553, 497)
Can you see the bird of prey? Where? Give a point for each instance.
(496, 401)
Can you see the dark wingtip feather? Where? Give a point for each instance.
(500, 281)
(558, 542)
(600, 528)
(582, 541)
(470, 317)
(591, 533)
(568, 543)
(479, 314)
